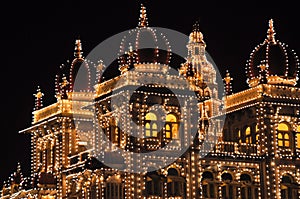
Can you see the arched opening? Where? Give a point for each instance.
(247, 188)
(227, 186)
(175, 184)
(114, 188)
(208, 186)
(248, 136)
(151, 125)
(284, 136)
(154, 184)
(171, 127)
(289, 189)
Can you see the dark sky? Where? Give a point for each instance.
(38, 37)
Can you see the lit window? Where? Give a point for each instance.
(256, 134)
(151, 125)
(248, 135)
(171, 127)
(283, 136)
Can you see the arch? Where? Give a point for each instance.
(226, 176)
(227, 186)
(283, 126)
(171, 126)
(173, 172)
(207, 175)
(288, 189)
(208, 185)
(284, 135)
(245, 177)
(248, 136)
(151, 116)
(151, 127)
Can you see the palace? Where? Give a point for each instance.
(157, 131)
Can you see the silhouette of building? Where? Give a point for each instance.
(75, 142)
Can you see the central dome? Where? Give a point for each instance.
(275, 60)
(143, 45)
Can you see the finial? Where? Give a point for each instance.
(38, 99)
(78, 49)
(228, 87)
(143, 21)
(196, 26)
(271, 32)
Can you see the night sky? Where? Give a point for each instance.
(37, 38)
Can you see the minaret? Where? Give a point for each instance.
(38, 99)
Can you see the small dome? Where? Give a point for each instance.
(75, 75)
(143, 45)
(280, 62)
(196, 36)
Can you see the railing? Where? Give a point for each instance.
(234, 148)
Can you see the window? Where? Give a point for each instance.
(113, 188)
(288, 187)
(151, 125)
(154, 184)
(256, 134)
(175, 184)
(171, 127)
(227, 187)
(248, 135)
(246, 186)
(208, 186)
(283, 136)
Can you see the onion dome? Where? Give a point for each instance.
(74, 76)
(143, 45)
(272, 62)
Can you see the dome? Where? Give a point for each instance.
(74, 76)
(275, 60)
(143, 45)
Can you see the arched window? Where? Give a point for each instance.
(288, 187)
(114, 188)
(227, 187)
(154, 184)
(248, 135)
(175, 184)
(171, 127)
(283, 136)
(208, 186)
(298, 137)
(246, 186)
(151, 125)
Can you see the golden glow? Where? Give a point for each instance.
(286, 140)
(148, 129)
(280, 138)
(248, 135)
(172, 120)
(283, 127)
(151, 116)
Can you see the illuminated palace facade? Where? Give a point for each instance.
(256, 154)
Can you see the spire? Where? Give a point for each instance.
(143, 20)
(271, 32)
(196, 27)
(78, 49)
(38, 99)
